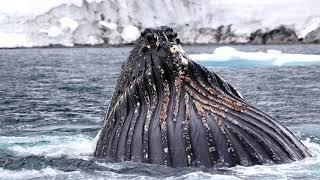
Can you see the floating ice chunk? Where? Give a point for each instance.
(97, 1)
(270, 57)
(130, 33)
(274, 52)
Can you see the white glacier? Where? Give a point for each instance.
(28, 23)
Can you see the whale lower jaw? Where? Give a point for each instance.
(168, 110)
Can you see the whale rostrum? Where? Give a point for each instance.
(168, 110)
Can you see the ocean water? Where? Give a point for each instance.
(53, 100)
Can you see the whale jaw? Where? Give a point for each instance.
(167, 109)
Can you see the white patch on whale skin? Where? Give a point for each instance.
(178, 49)
(174, 49)
(184, 61)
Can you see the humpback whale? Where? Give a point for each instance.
(166, 109)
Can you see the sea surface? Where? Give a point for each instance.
(53, 101)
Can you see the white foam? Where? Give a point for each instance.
(273, 57)
(293, 169)
(28, 174)
(95, 140)
(203, 175)
(79, 146)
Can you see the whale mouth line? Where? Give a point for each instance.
(167, 109)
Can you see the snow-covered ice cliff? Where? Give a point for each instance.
(28, 23)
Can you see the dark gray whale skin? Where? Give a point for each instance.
(168, 110)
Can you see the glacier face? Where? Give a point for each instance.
(29, 23)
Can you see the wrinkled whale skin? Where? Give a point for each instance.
(168, 110)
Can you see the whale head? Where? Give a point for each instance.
(166, 109)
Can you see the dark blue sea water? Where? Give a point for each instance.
(52, 103)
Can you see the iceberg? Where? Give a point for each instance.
(229, 56)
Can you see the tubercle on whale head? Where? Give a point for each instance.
(165, 43)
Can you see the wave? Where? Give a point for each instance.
(30, 174)
(308, 167)
(227, 56)
(52, 173)
(80, 146)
